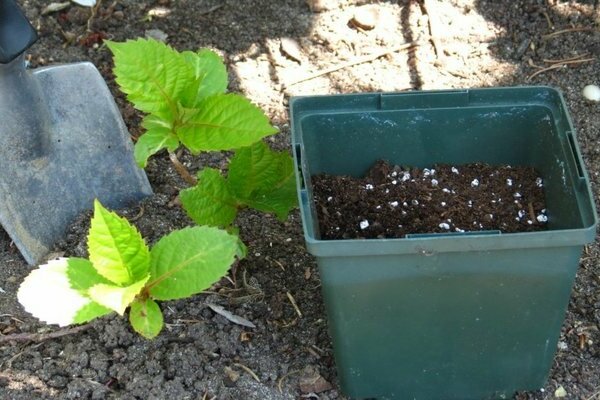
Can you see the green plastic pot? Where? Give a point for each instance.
(446, 316)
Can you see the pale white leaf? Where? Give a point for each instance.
(48, 296)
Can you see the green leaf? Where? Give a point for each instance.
(152, 74)
(146, 318)
(210, 73)
(189, 261)
(253, 168)
(158, 136)
(223, 122)
(47, 294)
(209, 202)
(116, 248)
(116, 298)
(263, 179)
(89, 312)
(82, 274)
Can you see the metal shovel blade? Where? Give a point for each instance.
(63, 143)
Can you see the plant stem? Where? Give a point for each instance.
(182, 170)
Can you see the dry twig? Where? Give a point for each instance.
(550, 24)
(293, 301)
(248, 370)
(280, 383)
(40, 337)
(594, 396)
(554, 61)
(93, 15)
(433, 23)
(138, 215)
(577, 29)
(557, 66)
(181, 169)
(356, 61)
(212, 9)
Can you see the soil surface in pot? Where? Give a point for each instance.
(393, 201)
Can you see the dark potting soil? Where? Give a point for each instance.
(392, 201)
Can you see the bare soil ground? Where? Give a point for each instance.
(200, 354)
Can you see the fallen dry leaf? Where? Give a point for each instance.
(54, 7)
(231, 317)
(312, 382)
(291, 49)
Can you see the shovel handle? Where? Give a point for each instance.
(16, 33)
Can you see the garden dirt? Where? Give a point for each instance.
(274, 50)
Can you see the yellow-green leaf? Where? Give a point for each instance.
(116, 248)
(115, 297)
(152, 74)
(159, 135)
(189, 261)
(209, 202)
(210, 73)
(223, 122)
(146, 318)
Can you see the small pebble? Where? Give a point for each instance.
(562, 345)
(415, 202)
(394, 204)
(368, 186)
(444, 225)
(443, 203)
(364, 224)
(542, 218)
(475, 182)
(517, 195)
(446, 190)
(405, 177)
(434, 182)
(560, 392)
(366, 17)
(539, 182)
(509, 182)
(394, 182)
(156, 34)
(454, 170)
(329, 198)
(591, 92)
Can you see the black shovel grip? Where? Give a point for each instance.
(16, 33)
